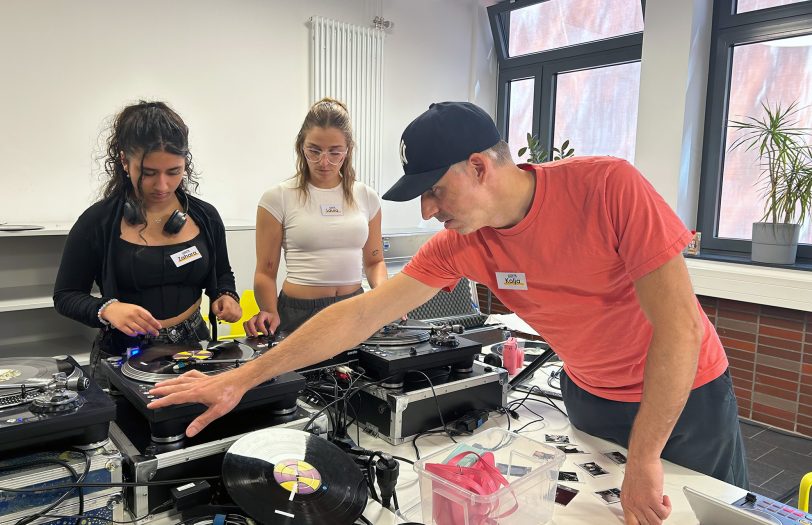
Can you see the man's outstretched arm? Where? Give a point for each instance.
(668, 300)
(334, 329)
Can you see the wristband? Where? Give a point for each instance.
(102, 307)
(230, 294)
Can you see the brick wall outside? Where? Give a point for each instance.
(770, 354)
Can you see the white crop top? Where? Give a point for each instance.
(322, 237)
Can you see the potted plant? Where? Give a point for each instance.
(783, 150)
(537, 154)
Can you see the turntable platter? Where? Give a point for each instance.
(163, 361)
(29, 370)
(401, 333)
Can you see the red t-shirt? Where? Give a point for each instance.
(568, 269)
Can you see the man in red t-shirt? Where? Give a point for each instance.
(589, 255)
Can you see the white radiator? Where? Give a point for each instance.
(346, 63)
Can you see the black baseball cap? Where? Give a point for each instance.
(449, 132)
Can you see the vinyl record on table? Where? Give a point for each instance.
(280, 475)
(158, 362)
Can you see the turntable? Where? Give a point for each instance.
(49, 401)
(260, 344)
(134, 377)
(414, 345)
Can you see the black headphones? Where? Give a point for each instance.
(134, 216)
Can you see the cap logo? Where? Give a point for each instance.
(403, 160)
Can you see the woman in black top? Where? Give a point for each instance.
(150, 246)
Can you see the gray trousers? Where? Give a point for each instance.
(294, 312)
(707, 437)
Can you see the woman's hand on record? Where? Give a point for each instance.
(226, 309)
(263, 323)
(130, 319)
(220, 393)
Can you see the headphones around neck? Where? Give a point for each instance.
(134, 216)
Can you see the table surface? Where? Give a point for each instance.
(585, 508)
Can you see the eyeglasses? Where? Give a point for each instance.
(334, 156)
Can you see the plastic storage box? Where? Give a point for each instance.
(529, 498)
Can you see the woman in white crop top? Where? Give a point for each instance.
(327, 223)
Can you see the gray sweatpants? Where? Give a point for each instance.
(707, 437)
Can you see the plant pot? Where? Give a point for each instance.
(775, 243)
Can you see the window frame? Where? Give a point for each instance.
(544, 66)
(730, 29)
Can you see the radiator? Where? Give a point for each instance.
(347, 64)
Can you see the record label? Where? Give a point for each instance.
(297, 476)
(8, 373)
(192, 354)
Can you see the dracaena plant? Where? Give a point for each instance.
(785, 157)
(537, 154)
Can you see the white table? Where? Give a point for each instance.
(585, 508)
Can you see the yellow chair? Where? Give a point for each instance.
(803, 492)
(250, 308)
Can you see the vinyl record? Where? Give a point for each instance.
(403, 333)
(159, 362)
(15, 370)
(280, 475)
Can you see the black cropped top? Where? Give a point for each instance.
(166, 280)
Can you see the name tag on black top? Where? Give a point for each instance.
(186, 256)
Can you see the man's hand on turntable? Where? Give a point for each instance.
(220, 393)
(130, 319)
(226, 309)
(262, 323)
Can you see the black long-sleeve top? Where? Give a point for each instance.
(90, 251)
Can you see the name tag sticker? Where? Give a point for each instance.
(331, 210)
(511, 281)
(186, 256)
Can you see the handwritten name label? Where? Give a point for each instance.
(511, 281)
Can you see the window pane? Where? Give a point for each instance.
(521, 114)
(742, 6)
(560, 23)
(596, 110)
(778, 71)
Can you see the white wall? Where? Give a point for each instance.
(673, 88)
(236, 71)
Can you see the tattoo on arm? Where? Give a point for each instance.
(375, 252)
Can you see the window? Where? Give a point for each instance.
(569, 70)
(761, 53)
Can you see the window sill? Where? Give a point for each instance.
(739, 279)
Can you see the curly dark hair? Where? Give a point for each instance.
(140, 129)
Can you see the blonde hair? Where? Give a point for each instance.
(326, 113)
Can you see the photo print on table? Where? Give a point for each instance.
(609, 496)
(570, 449)
(556, 438)
(515, 470)
(543, 456)
(616, 457)
(565, 475)
(564, 494)
(593, 469)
